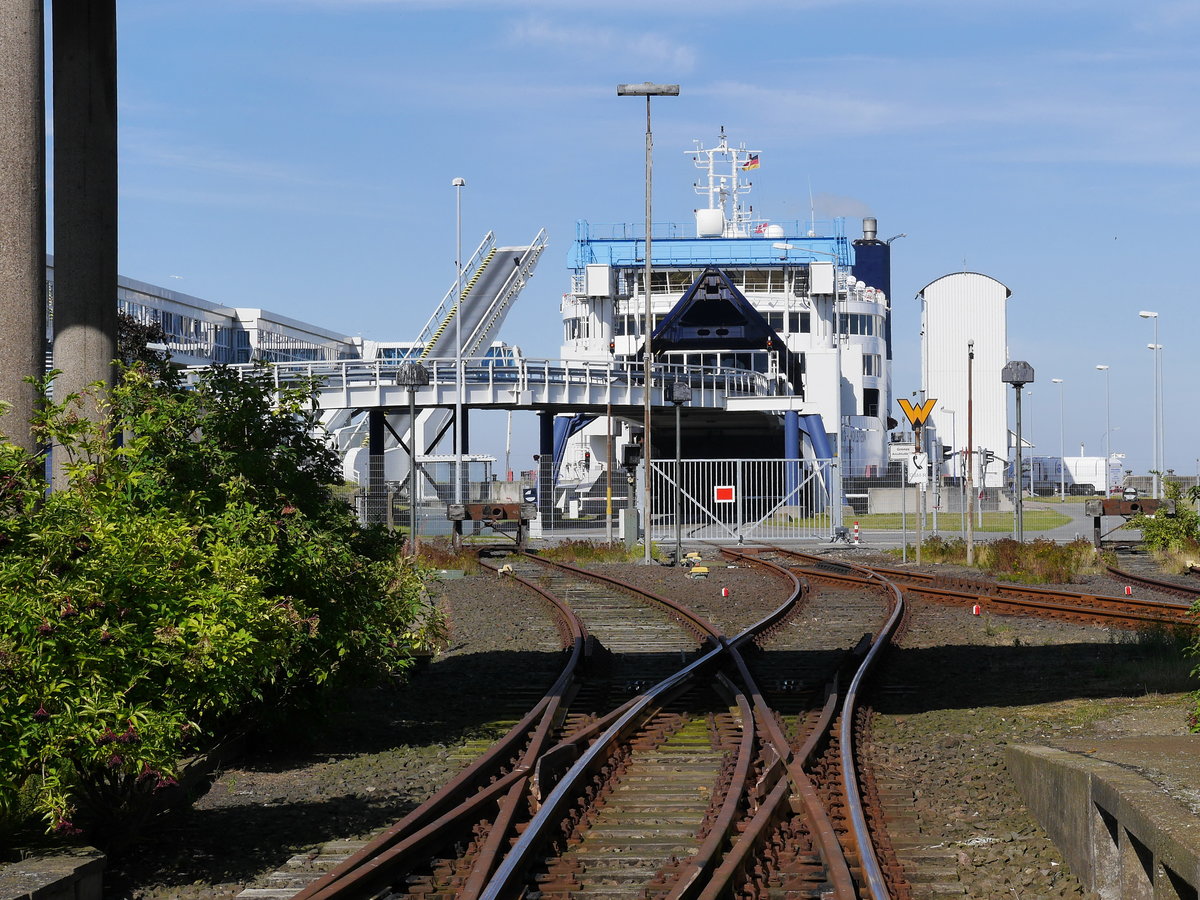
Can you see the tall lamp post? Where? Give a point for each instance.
(1158, 411)
(1107, 428)
(458, 184)
(679, 393)
(971, 452)
(1018, 374)
(647, 90)
(1062, 441)
(412, 375)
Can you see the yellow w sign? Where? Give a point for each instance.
(917, 414)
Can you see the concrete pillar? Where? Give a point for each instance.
(23, 224)
(85, 195)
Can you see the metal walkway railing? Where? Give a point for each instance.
(520, 384)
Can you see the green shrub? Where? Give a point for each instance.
(1163, 532)
(187, 579)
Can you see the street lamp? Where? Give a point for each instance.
(1062, 441)
(458, 184)
(412, 375)
(1107, 428)
(1018, 374)
(679, 393)
(1158, 424)
(971, 452)
(647, 90)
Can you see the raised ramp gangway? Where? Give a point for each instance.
(497, 275)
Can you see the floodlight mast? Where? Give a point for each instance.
(647, 89)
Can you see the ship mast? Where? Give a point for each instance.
(725, 190)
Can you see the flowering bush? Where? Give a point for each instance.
(191, 574)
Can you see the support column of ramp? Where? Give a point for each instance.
(85, 197)
(23, 225)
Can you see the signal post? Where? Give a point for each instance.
(920, 459)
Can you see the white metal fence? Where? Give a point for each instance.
(741, 499)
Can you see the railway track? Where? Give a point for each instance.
(1003, 599)
(655, 765)
(1161, 585)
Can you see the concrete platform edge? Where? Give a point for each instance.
(1122, 835)
(75, 874)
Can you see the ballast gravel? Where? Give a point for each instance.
(963, 688)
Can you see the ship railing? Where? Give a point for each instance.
(709, 383)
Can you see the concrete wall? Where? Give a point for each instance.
(1122, 834)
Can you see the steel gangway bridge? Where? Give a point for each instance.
(544, 385)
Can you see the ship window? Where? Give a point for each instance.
(774, 319)
(576, 328)
(680, 280)
(800, 322)
(871, 402)
(760, 280)
(856, 323)
(872, 364)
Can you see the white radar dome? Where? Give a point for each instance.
(710, 222)
(773, 231)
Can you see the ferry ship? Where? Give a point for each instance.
(796, 302)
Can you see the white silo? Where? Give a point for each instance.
(958, 309)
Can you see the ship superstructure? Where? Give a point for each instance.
(797, 302)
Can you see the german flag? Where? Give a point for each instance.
(751, 163)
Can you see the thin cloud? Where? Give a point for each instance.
(608, 44)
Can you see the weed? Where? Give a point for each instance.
(441, 554)
(583, 552)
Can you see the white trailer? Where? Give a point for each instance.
(1084, 474)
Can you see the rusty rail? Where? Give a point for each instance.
(476, 788)
(691, 876)
(1156, 584)
(1118, 611)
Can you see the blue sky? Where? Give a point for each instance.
(298, 156)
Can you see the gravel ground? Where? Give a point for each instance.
(990, 682)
